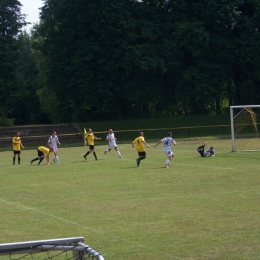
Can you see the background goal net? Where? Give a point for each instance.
(54, 249)
(244, 127)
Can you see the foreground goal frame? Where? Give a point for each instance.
(75, 244)
(239, 129)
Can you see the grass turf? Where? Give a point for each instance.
(199, 208)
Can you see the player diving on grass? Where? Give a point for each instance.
(206, 153)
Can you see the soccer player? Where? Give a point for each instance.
(167, 143)
(42, 152)
(53, 142)
(90, 139)
(208, 153)
(17, 144)
(112, 143)
(138, 143)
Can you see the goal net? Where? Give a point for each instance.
(54, 249)
(244, 127)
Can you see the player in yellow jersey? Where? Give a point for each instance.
(138, 143)
(17, 144)
(42, 152)
(90, 139)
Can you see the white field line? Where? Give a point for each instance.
(86, 227)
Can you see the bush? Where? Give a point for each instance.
(6, 122)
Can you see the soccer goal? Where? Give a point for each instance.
(244, 128)
(54, 249)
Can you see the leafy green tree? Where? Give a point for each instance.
(11, 22)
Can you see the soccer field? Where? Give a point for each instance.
(198, 208)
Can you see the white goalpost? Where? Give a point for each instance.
(54, 249)
(244, 127)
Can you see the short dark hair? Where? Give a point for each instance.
(169, 133)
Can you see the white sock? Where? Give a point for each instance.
(119, 154)
(167, 162)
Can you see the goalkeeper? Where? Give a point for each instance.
(206, 153)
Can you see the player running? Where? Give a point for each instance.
(167, 143)
(112, 143)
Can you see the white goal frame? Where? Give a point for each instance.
(233, 134)
(75, 244)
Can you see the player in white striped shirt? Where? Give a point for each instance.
(167, 143)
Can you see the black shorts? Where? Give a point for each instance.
(40, 153)
(17, 152)
(91, 147)
(142, 153)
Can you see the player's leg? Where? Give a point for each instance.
(169, 157)
(118, 152)
(37, 158)
(14, 157)
(41, 159)
(94, 152)
(19, 158)
(88, 152)
(108, 149)
(142, 156)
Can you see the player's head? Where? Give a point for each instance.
(53, 133)
(89, 130)
(17, 134)
(110, 131)
(141, 134)
(211, 148)
(51, 149)
(169, 134)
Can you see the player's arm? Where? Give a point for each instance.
(22, 145)
(147, 145)
(157, 143)
(97, 138)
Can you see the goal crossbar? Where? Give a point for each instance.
(75, 244)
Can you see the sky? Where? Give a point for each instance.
(31, 8)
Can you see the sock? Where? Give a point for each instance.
(13, 160)
(94, 153)
(35, 159)
(141, 158)
(119, 154)
(87, 154)
(40, 161)
(57, 158)
(19, 160)
(167, 162)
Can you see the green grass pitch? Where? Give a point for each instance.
(198, 208)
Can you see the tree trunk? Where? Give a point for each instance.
(2, 109)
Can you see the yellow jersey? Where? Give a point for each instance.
(139, 145)
(17, 143)
(44, 150)
(90, 138)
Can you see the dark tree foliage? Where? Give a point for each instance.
(11, 22)
(26, 108)
(126, 58)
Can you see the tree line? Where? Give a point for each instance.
(90, 60)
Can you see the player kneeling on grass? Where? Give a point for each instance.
(42, 151)
(112, 143)
(206, 153)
